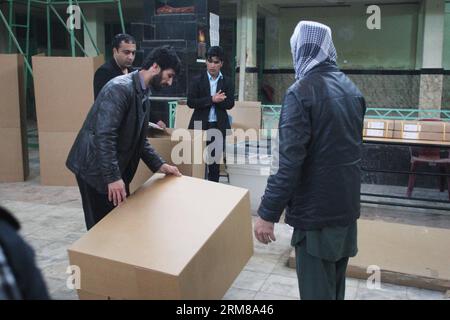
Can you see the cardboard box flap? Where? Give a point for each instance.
(183, 115)
(164, 217)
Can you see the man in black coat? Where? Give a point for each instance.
(19, 276)
(124, 52)
(211, 94)
(107, 150)
(319, 176)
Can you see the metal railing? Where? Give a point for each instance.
(271, 114)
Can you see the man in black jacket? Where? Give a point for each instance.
(19, 276)
(318, 180)
(108, 147)
(124, 52)
(211, 94)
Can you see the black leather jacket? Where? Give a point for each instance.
(20, 258)
(320, 141)
(113, 137)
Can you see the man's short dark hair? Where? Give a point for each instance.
(165, 57)
(215, 51)
(118, 38)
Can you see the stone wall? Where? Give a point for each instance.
(382, 91)
(446, 93)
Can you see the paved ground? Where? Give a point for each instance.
(52, 219)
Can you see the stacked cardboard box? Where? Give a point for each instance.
(176, 238)
(13, 128)
(246, 115)
(64, 94)
(164, 143)
(422, 130)
(376, 128)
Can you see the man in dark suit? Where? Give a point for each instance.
(211, 94)
(124, 52)
(113, 139)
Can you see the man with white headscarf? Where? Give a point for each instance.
(318, 181)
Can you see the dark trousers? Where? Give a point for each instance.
(214, 168)
(95, 204)
(319, 279)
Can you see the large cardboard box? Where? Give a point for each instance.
(64, 95)
(405, 254)
(246, 115)
(175, 238)
(14, 165)
(164, 145)
(54, 148)
(64, 91)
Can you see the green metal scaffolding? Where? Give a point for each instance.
(50, 6)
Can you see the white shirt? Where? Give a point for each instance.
(213, 86)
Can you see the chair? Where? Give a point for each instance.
(433, 157)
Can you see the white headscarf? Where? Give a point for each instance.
(311, 44)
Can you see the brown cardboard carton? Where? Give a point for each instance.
(13, 166)
(54, 148)
(246, 115)
(377, 133)
(176, 238)
(378, 128)
(414, 255)
(378, 124)
(422, 126)
(64, 91)
(13, 143)
(164, 145)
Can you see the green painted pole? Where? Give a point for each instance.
(119, 6)
(2, 17)
(65, 26)
(10, 22)
(72, 37)
(87, 29)
(49, 29)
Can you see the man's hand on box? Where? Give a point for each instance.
(117, 192)
(161, 124)
(170, 170)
